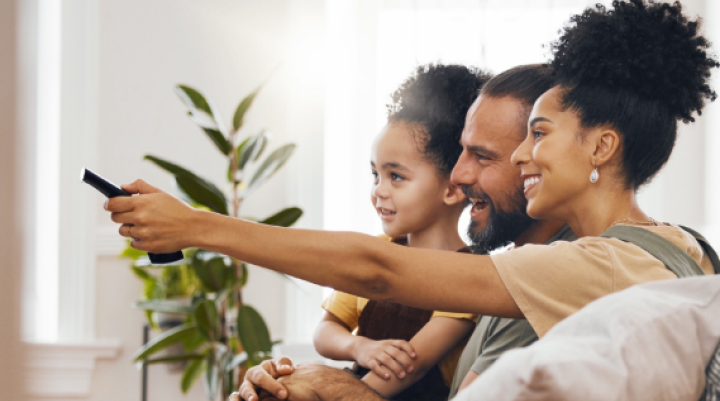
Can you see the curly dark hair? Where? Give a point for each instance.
(435, 99)
(639, 67)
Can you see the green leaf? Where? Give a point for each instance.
(196, 188)
(202, 114)
(192, 343)
(164, 340)
(174, 358)
(237, 360)
(284, 218)
(193, 99)
(252, 150)
(245, 274)
(211, 270)
(253, 334)
(190, 374)
(243, 107)
(131, 253)
(270, 166)
(142, 274)
(219, 140)
(163, 306)
(205, 318)
(210, 378)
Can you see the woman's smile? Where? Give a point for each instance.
(530, 182)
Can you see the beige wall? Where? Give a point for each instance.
(11, 356)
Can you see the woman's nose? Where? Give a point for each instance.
(523, 154)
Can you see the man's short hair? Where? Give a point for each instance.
(525, 83)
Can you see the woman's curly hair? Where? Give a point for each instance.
(434, 101)
(640, 67)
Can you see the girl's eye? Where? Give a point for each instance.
(375, 175)
(537, 134)
(396, 177)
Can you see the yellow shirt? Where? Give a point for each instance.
(348, 308)
(551, 282)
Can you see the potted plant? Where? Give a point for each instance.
(221, 336)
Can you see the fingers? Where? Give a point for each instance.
(393, 365)
(283, 366)
(120, 204)
(379, 370)
(404, 346)
(140, 187)
(263, 377)
(402, 358)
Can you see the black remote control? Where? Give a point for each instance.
(111, 190)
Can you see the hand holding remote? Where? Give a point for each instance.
(111, 190)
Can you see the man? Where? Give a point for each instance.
(494, 127)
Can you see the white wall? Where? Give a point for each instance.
(224, 49)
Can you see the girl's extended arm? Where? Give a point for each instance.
(435, 340)
(334, 340)
(349, 262)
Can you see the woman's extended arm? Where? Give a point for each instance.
(350, 262)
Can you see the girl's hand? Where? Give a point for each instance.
(155, 220)
(386, 357)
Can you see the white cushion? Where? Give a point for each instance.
(648, 342)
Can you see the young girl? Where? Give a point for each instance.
(403, 352)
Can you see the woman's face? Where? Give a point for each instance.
(554, 159)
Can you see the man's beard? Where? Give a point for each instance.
(503, 227)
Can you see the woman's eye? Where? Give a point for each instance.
(537, 134)
(396, 177)
(375, 175)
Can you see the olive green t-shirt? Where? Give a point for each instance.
(493, 336)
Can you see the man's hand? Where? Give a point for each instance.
(155, 221)
(264, 377)
(278, 379)
(386, 357)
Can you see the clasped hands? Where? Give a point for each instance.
(276, 379)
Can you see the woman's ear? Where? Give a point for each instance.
(453, 195)
(607, 145)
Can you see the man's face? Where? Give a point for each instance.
(494, 128)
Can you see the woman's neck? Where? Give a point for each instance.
(443, 235)
(602, 208)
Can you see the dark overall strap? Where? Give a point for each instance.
(677, 260)
(709, 251)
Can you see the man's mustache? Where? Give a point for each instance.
(471, 192)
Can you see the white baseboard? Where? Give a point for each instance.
(64, 370)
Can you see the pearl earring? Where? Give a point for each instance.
(594, 175)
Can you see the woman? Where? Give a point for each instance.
(625, 77)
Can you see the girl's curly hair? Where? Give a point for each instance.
(435, 99)
(640, 67)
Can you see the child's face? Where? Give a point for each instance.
(407, 191)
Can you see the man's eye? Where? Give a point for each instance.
(396, 177)
(481, 156)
